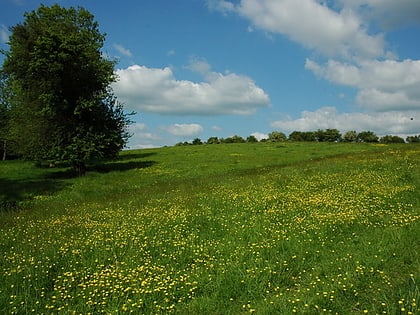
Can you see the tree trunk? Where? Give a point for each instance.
(80, 168)
(4, 149)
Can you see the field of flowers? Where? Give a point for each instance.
(242, 229)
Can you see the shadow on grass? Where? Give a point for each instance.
(124, 162)
(119, 166)
(13, 192)
(134, 156)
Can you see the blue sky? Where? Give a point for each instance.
(202, 68)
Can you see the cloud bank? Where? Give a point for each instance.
(311, 24)
(392, 122)
(157, 90)
(349, 39)
(383, 85)
(184, 130)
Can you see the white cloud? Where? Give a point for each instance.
(142, 137)
(220, 5)
(313, 25)
(216, 128)
(388, 14)
(259, 135)
(4, 34)
(384, 85)
(157, 90)
(384, 101)
(346, 32)
(200, 66)
(122, 50)
(392, 122)
(341, 30)
(138, 127)
(184, 130)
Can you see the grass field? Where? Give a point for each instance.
(265, 228)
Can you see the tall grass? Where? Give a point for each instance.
(218, 229)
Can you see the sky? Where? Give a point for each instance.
(217, 68)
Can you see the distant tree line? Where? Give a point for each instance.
(320, 135)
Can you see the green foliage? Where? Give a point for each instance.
(197, 141)
(60, 81)
(4, 116)
(213, 140)
(391, 139)
(367, 136)
(276, 136)
(350, 136)
(233, 139)
(251, 139)
(413, 139)
(299, 136)
(328, 135)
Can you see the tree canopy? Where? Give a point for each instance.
(61, 105)
(277, 136)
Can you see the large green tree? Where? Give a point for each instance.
(62, 106)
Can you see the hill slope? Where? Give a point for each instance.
(217, 229)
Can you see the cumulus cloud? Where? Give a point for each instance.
(216, 128)
(259, 135)
(122, 50)
(383, 85)
(388, 14)
(157, 90)
(312, 24)
(199, 66)
(184, 130)
(394, 122)
(340, 31)
(140, 131)
(220, 5)
(141, 137)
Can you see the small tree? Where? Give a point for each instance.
(307, 136)
(295, 136)
(350, 136)
(413, 139)
(234, 139)
(391, 139)
(251, 139)
(213, 140)
(367, 136)
(197, 141)
(320, 135)
(332, 135)
(60, 79)
(276, 136)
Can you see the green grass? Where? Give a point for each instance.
(306, 228)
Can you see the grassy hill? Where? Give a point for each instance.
(265, 228)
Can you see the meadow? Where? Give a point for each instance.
(264, 228)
